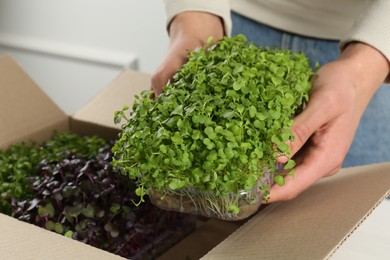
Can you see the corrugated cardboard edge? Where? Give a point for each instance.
(314, 225)
(357, 225)
(26, 241)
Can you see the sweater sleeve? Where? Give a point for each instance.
(372, 28)
(220, 8)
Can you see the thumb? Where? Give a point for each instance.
(310, 120)
(164, 73)
(175, 58)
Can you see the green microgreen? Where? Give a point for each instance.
(20, 161)
(220, 122)
(85, 199)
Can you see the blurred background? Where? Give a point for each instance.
(73, 48)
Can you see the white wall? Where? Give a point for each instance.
(79, 46)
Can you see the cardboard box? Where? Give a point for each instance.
(312, 226)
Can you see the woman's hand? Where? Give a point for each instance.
(325, 129)
(188, 30)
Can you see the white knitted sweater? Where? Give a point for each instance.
(366, 21)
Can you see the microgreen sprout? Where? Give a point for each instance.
(219, 124)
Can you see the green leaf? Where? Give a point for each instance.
(243, 158)
(49, 225)
(261, 116)
(289, 165)
(240, 108)
(176, 184)
(210, 133)
(47, 210)
(210, 145)
(58, 228)
(275, 114)
(176, 138)
(196, 134)
(163, 148)
(140, 192)
(237, 85)
(209, 40)
(69, 234)
(117, 118)
(212, 156)
(73, 211)
(278, 179)
(232, 93)
(115, 207)
(252, 111)
(228, 114)
(88, 211)
(178, 110)
(283, 147)
(234, 209)
(229, 152)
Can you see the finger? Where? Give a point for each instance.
(307, 172)
(313, 117)
(282, 157)
(316, 113)
(321, 156)
(171, 64)
(305, 124)
(163, 75)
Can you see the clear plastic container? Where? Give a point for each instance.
(230, 207)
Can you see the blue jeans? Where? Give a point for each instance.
(372, 140)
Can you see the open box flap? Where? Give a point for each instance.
(121, 91)
(25, 110)
(314, 225)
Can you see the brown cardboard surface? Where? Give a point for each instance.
(100, 110)
(19, 240)
(201, 240)
(82, 127)
(25, 110)
(313, 225)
